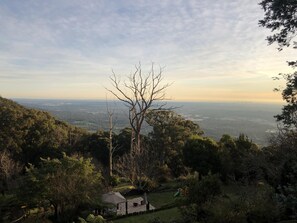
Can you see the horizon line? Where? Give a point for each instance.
(183, 101)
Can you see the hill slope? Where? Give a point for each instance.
(29, 134)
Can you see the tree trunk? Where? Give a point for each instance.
(56, 212)
(138, 142)
(110, 145)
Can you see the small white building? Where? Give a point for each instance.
(124, 206)
(116, 199)
(113, 198)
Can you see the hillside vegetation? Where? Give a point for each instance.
(50, 170)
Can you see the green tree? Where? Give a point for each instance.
(199, 194)
(123, 140)
(170, 132)
(280, 159)
(289, 112)
(280, 18)
(202, 155)
(66, 184)
(227, 146)
(29, 134)
(227, 142)
(285, 157)
(242, 157)
(201, 191)
(96, 145)
(287, 195)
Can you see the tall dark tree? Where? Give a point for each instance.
(281, 18)
(289, 112)
(170, 132)
(96, 145)
(202, 155)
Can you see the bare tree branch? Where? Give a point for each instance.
(140, 93)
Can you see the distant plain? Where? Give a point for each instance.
(256, 120)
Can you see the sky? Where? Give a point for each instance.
(211, 50)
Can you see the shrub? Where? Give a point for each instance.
(164, 174)
(256, 204)
(114, 181)
(201, 191)
(147, 185)
(198, 195)
(92, 219)
(252, 206)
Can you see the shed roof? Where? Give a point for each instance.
(113, 198)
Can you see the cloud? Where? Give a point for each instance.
(82, 40)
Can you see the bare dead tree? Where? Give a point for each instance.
(112, 148)
(110, 114)
(140, 93)
(139, 168)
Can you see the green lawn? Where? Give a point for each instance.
(165, 215)
(159, 199)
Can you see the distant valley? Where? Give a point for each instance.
(253, 119)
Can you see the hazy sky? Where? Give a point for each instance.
(213, 50)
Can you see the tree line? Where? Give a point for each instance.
(47, 163)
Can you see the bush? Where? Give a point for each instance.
(257, 204)
(147, 185)
(114, 181)
(92, 219)
(253, 206)
(263, 207)
(164, 174)
(201, 191)
(198, 195)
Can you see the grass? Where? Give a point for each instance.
(173, 185)
(160, 199)
(36, 219)
(165, 215)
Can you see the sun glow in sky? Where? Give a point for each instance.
(212, 50)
